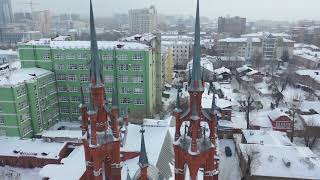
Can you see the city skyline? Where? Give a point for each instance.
(289, 10)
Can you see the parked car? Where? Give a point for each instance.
(228, 151)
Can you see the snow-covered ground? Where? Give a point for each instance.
(229, 166)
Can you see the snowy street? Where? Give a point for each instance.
(229, 166)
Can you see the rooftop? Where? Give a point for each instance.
(276, 113)
(16, 77)
(240, 40)
(266, 137)
(109, 45)
(11, 146)
(283, 161)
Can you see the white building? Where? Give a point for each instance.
(143, 20)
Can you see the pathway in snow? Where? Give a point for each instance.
(229, 166)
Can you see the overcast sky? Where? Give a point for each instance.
(252, 9)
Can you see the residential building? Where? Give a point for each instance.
(230, 62)
(280, 121)
(308, 78)
(181, 51)
(28, 102)
(271, 46)
(234, 26)
(6, 16)
(135, 67)
(10, 37)
(143, 20)
(306, 55)
(43, 21)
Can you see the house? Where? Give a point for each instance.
(278, 162)
(265, 137)
(309, 78)
(223, 75)
(280, 121)
(311, 124)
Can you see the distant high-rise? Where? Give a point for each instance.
(143, 20)
(234, 26)
(6, 16)
(43, 21)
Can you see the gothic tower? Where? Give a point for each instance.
(100, 127)
(195, 150)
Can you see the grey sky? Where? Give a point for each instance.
(252, 9)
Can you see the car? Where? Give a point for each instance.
(228, 151)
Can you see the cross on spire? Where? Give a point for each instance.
(143, 159)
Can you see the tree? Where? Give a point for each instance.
(246, 104)
(251, 154)
(294, 104)
(169, 66)
(278, 85)
(257, 59)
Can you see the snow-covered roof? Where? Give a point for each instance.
(61, 38)
(16, 77)
(306, 106)
(62, 134)
(253, 72)
(8, 52)
(307, 54)
(243, 68)
(240, 40)
(222, 70)
(283, 161)
(225, 58)
(205, 63)
(265, 34)
(142, 37)
(158, 123)
(267, 137)
(86, 44)
(72, 167)
(314, 74)
(306, 46)
(28, 147)
(276, 113)
(311, 120)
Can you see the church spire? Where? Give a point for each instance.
(115, 96)
(83, 102)
(196, 82)
(143, 159)
(96, 77)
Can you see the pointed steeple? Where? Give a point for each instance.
(196, 82)
(143, 159)
(96, 77)
(179, 91)
(128, 175)
(115, 95)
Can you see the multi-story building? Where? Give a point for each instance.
(10, 37)
(271, 46)
(28, 101)
(181, 52)
(234, 26)
(143, 20)
(134, 63)
(43, 21)
(7, 56)
(6, 16)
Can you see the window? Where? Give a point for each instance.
(75, 99)
(125, 90)
(61, 77)
(22, 105)
(109, 90)
(123, 67)
(82, 67)
(58, 56)
(122, 57)
(83, 56)
(25, 117)
(107, 57)
(137, 67)
(139, 102)
(70, 56)
(64, 110)
(51, 79)
(84, 78)
(73, 89)
(123, 79)
(63, 99)
(21, 92)
(86, 99)
(75, 110)
(62, 89)
(59, 66)
(125, 101)
(72, 77)
(1, 120)
(46, 56)
(137, 79)
(108, 79)
(137, 57)
(72, 67)
(1, 109)
(109, 67)
(138, 90)
(3, 132)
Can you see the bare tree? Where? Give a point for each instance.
(294, 104)
(285, 55)
(184, 104)
(278, 85)
(251, 154)
(246, 104)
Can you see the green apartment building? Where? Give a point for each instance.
(136, 65)
(28, 102)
